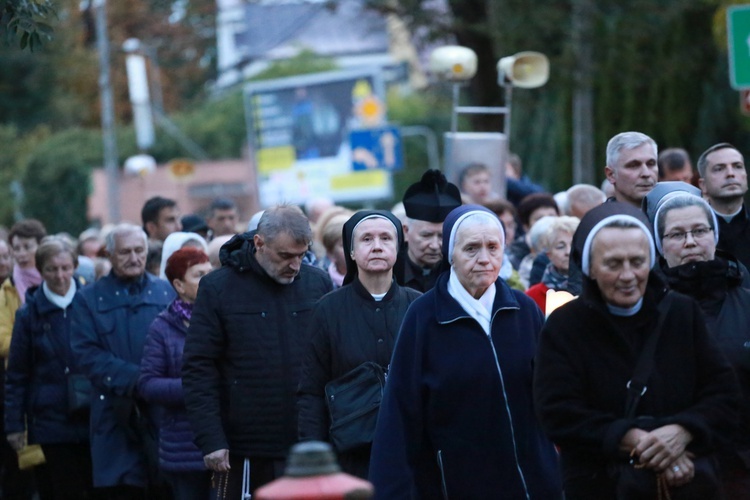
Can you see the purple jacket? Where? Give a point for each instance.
(160, 384)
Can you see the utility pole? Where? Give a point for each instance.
(583, 93)
(108, 113)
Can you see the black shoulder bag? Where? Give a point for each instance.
(353, 404)
(632, 481)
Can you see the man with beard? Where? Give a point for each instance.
(427, 203)
(723, 181)
(244, 348)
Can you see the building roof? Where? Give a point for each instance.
(280, 30)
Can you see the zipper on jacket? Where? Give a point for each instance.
(443, 484)
(507, 410)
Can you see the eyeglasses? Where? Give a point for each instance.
(680, 236)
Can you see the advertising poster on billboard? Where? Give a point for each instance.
(299, 129)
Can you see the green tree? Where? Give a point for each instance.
(26, 18)
(56, 179)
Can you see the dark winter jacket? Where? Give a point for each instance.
(718, 287)
(734, 236)
(161, 384)
(111, 318)
(348, 328)
(243, 354)
(586, 358)
(457, 419)
(36, 379)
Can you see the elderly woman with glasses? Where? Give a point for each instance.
(686, 235)
(457, 418)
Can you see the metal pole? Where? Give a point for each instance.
(433, 159)
(454, 114)
(508, 104)
(108, 113)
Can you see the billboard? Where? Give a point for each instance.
(299, 128)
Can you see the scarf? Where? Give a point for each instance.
(183, 310)
(554, 279)
(707, 282)
(61, 301)
(479, 309)
(336, 276)
(24, 279)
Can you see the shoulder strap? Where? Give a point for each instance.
(637, 383)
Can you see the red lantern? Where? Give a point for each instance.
(313, 474)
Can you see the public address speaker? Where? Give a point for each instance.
(526, 70)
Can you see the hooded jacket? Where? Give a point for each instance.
(243, 353)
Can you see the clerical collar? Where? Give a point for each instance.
(728, 217)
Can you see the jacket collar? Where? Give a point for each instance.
(239, 254)
(362, 291)
(112, 293)
(40, 301)
(448, 309)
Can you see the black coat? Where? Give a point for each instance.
(586, 357)
(348, 328)
(243, 354)
(718, 287)
(411, 275)
(734, 236)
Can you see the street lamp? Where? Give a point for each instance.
(458, 65)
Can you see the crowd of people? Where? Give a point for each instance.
(183, 357)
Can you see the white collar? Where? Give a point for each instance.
(61, 301)
(479, 309)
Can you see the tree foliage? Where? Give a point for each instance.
(57, 179)
(25, 20)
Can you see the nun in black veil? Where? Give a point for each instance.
(354, 324)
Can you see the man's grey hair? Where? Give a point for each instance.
(585, 194)
(627, 140)
(703, 160)
(287, 219)
(121, 230)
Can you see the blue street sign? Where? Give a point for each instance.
(377, 148)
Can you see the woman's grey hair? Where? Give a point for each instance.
(121, 230)
(287, 219)
(561, 224)
(52, 246)
(627, 140)
(538, 232)
(682, 202)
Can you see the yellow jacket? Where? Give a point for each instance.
(9, 304)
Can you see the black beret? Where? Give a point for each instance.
(432, 198)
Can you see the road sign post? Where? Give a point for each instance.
(738, 37)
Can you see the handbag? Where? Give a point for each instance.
(79, 395)
(353, 403)
(633, 482)
(30, 456)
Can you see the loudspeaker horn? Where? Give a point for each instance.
(526, 70)
(453, 63)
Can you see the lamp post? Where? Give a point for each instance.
(109, 138)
